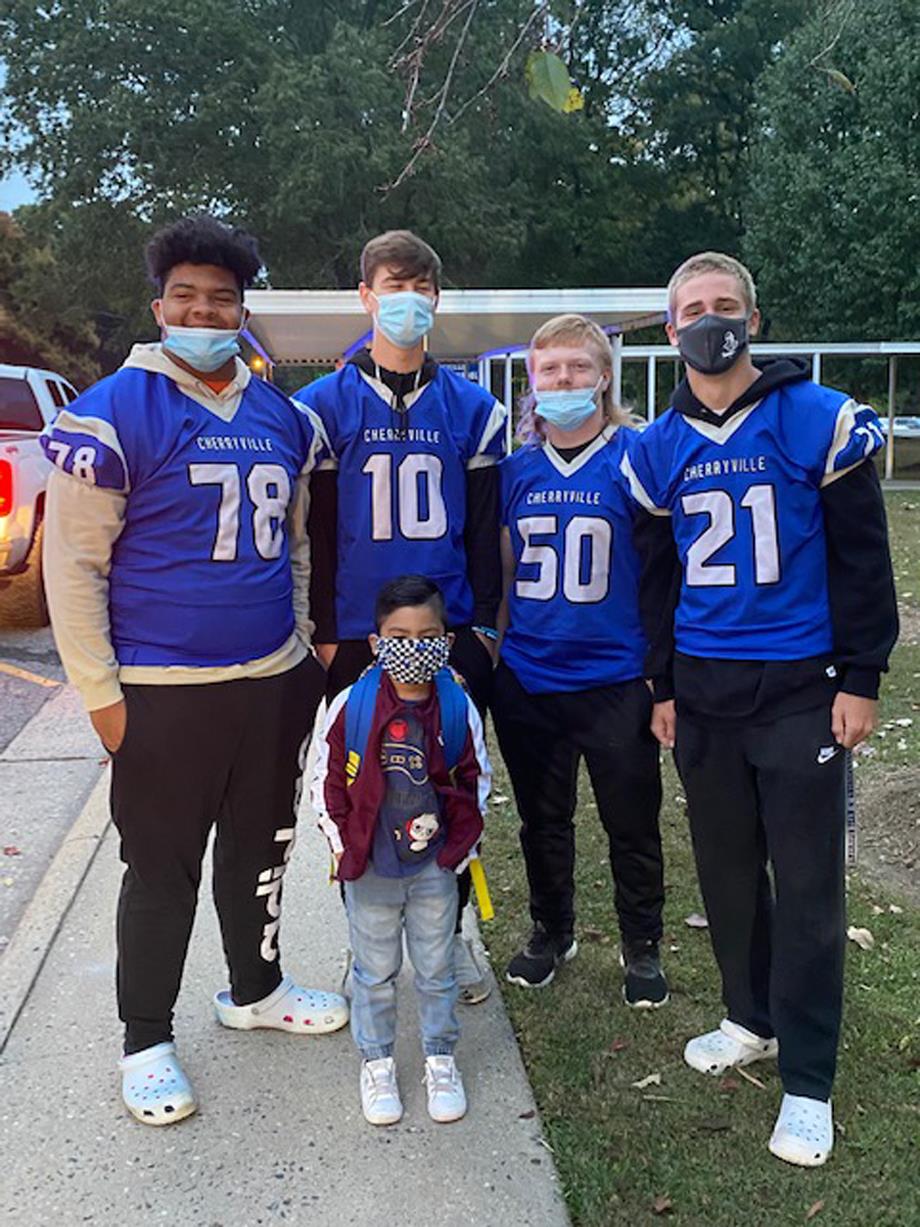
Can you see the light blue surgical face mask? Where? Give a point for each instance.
(567, 408)
(404, 317)
(204, 349)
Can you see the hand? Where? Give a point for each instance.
(490, 645)
(325, 653)
(852, 719)
(664, 723)
(110, 724)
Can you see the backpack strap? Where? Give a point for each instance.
(359, 715)
(452, 702)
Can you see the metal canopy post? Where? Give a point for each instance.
(617, 344)
(892, 389)
(816, 366)
(650, 382)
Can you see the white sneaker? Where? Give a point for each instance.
(471, 979)
(380, 1100)
(446, 1096)
(804, 1131)
(732, 1045)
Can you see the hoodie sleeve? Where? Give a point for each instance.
(328, 787)
(660, 577)
(864, 609)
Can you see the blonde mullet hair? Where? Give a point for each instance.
(712, 262)
(572, 329)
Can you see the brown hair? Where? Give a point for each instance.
(712, 262)
(571, 329)
(405, 253)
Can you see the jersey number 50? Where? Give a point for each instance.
(586, 548)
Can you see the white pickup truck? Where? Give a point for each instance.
(29, 399)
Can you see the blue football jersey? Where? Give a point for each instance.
(573, 605)
(744, 498)
(200, 574)
(402, 500)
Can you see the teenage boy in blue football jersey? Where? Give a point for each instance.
(785, 615)
(410, 486)
(570, 682)
(177, 568)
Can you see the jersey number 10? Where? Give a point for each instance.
(413, 471)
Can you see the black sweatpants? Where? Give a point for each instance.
(468, 656)
(542, 738)
(230, 753)
(773, 793)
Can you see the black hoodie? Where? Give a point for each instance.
(860, 592)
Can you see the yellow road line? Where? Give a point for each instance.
(25, 676)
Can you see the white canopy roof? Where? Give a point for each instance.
(320, 325)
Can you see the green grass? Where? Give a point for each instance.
(690, 1139)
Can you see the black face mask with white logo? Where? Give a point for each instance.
(713, 343)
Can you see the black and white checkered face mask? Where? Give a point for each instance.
(412, 660)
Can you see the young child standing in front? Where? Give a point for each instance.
(400, 786)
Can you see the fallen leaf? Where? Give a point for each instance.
(729, 1084)
(11, 850)
(813, 1209)
(500, 799)
(659, 1099)
(651, 1080)
(528, 1115)
(716, 1124)
(862, 937)
(618, 1045)
(662, 1205)
(696, 921)
(7, 881)
(592, 935)
(894, 909)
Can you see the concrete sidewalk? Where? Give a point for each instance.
(279, 1135)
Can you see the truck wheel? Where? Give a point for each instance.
(31, 603)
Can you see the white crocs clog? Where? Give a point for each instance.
(154, 1086)
(804, 1131)
(303, 1011)
(732, 1045)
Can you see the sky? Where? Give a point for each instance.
(14, 190)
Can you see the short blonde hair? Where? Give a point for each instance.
(712, 262)
(571, 329)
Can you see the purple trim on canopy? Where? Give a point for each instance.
(359, 344)
(248, 336)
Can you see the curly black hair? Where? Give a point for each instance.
(202, 239)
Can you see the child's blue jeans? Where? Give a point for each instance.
(379, 908)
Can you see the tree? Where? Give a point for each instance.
(834, 196)
(695, 114)
(38, 326)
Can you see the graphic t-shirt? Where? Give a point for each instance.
(409, 829)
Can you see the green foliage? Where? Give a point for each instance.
(38, 325)
(833, 220)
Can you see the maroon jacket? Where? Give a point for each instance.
(348, 812)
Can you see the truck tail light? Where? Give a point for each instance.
(6, 488)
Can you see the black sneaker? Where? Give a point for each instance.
(536, 964)
(645, 986)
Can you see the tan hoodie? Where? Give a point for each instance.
(82, 524)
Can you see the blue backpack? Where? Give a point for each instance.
(359, 715)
